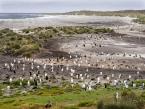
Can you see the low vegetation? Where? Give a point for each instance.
(138, 14)
(127, 100)
(132, 13)
(12, 43)
(55, 31)
(140, 19)
(74, 98)
(30, 41)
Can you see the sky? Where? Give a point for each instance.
(50, 6)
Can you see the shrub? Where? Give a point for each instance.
(140, 19)
(100, 105)
(119, 106)
(139, 82)
(86, 104)
(128, 96)
(70, 107)
(140, 104)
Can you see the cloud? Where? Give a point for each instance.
(68, 5)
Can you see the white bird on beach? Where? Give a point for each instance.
(134, 85)
(120, 76)
(5, 64)
(83, 85)
(28, 83)
(11, 80)
(112, 75)
(117, 95)
(81, 75)
(31, 78)
(12, 65)
(82, 78)
(108, 78)
(14, 60)
(77, 76)
(87, 70)
(34, 75)
(70, 56)
(62, 69)
(98, 80)
(8, 87)
(44, 66)
(72, 70)
(89, 88)
(67, 68)
(38, 66)
(71, 74)
(138, 73)
(79, 65)
(23, 68)
(129, 76)
(45, 74)
(71, 80)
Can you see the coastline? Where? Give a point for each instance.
(64, 20)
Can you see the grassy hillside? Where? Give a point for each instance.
(12, 43)
(138, 14)
(132, 13)
(30, 41)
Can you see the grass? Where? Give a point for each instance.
(138, 14)
(86, 104)
(47, 32)
(12, 43)
(119, 106)
(67, 98)
(132, 13)
(61, 98)
(140, 19)
(31, 41)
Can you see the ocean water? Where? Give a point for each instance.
(19, 15)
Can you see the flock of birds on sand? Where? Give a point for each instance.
(52, 74)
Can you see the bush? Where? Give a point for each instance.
(140, 19)
(70, 107)
(139, 82)
(128, 96)
(100, 105)
(16, 44)
(140, 104)
(119, 106)
(86, 104)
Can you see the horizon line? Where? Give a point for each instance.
(72, 11)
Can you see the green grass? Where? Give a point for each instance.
(56, 96)
(60, 97)
(64, 97)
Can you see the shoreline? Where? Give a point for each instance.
(63, 20)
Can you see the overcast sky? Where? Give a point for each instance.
(39, 6)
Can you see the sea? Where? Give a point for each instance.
(20, 15)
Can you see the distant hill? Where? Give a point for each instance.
(132, 13)
(139, 15)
